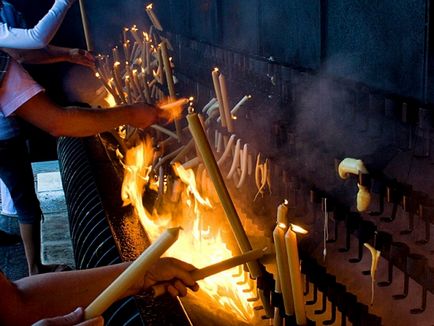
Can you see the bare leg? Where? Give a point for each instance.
(31, 235)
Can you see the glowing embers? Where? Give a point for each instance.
(201, 243)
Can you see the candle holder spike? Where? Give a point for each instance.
(417, 269)
(393, 196)
(426, 213)
(365, 232)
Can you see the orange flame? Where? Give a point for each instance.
(171, 110)
(201, 243)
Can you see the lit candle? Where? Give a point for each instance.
(132, 274)
(239, 104)
(225, 102)
(108, 87)
(115, 53)
(218, 94)
(283, 268)
(126, 51)
(135, 34)
(294, 270)
(210, 163)
(153, 17)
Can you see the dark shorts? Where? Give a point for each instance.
(16, 172)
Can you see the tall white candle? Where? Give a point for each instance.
(239, 104)
(218, 94)
(132, 274)
(153, 17)
(282, 259)
(225, 102)
(294, 270)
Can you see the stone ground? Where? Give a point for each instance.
(56, 241)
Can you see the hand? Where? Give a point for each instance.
(81, 57)
(174, 273)
(74, 318)
(143, 115)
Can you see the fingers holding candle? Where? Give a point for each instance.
(199, 274)
(173, 274)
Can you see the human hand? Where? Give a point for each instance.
(143, 115)
(81, 57)
(174, 274)
(74, 318)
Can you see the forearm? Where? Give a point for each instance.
(56, 294)
(52, 54)
(49, 54)
(79, 122)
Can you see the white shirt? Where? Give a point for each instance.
(40, 35)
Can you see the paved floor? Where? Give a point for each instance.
(56, 241)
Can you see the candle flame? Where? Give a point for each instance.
(110, 100)
(171, 110)
(281, 225)
(298, 229)
(149, 7)
(202, 239)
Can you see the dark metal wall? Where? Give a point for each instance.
(380, 43)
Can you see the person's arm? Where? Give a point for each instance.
(53, 54)
(75, 318)
(41, 34)
(80, 122)
(53, 294)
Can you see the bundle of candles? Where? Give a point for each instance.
(141, 70)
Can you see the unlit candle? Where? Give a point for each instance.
(132, 274)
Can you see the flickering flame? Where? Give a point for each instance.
(171, 110)
(149, 7)
(110, 100)
(201, 243)
(298, 229)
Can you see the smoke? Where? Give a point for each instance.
(342, 121)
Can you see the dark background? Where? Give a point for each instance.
(384, 45)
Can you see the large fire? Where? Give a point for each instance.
(201, 241)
